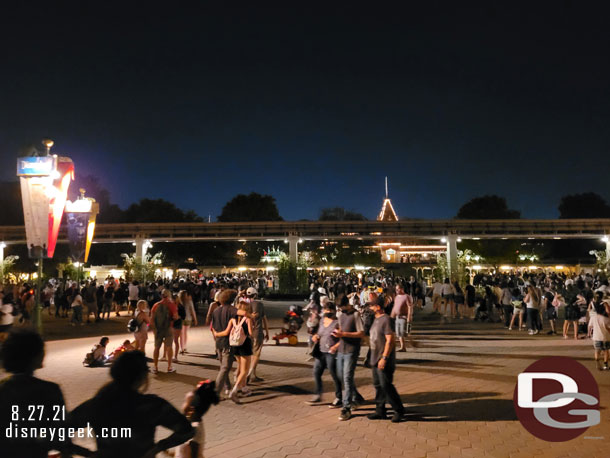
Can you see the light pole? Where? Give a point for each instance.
(44, 183)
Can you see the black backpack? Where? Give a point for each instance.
(133, 325)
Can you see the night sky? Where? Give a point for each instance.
(315, 104)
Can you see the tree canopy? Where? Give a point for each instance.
(339, 214)
(251, 207)
(487, 207)
(586, 205)
(158, 211)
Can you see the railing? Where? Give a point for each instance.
(337, 230)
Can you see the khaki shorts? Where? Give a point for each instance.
(257, 345)
(167, 338)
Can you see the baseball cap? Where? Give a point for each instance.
(251, 291)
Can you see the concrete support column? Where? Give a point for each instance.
(293, 248)
(2, 247)
(141, 247)
(452, 256)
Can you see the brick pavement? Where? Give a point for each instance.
(457, 387)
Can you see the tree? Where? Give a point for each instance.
(339, 214)
(292, 276)
(601, 259)
(487, 207)
(586, 205)
(251, 207)
(141, 269)
(7, 267)
(10, 202)
(158, 211)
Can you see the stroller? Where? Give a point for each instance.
(293, 320)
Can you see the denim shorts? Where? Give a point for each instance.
(601, 345)
(401, 327)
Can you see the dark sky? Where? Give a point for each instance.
(315, 104)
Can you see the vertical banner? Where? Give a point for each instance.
(80, 216)
(44, 188)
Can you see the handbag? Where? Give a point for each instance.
(315, 351)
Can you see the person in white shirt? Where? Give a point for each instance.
(601, 333)
(447, 299)
(134, 296)
(437, 289)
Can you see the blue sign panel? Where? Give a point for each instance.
(35, 166)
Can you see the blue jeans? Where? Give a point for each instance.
(326, 361)
(346, 366)
(533, 319)
(385, 392)
(77, 314)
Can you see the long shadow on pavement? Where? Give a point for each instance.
(455, 364)
(467, 410)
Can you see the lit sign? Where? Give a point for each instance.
(35, 166)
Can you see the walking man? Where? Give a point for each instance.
(220, 320)
(162, 316)
(402, 310)
(350, 332)
(260, 331)
(383, 364)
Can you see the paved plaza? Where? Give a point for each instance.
(457, 386)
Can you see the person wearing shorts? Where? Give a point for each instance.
(403, 304)
(162, 316)
(601, 333)
(260, 331)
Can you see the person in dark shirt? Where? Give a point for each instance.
(221, 317)
(120, 404)
(382, 360)
(27, 401)
(350, 332)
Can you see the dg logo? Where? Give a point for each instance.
(556, 399)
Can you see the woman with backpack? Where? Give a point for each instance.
(239, 331)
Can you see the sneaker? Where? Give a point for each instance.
(233, 397)
(171, 370)
(245, 391)
(530, 332)
(397, 417)
(377, 416)
(154, 370)
(536, 332)
(336, 404)
(314, 400)
(550, 333)
(510, 328)
(346, 414)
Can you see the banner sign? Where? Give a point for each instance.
(36, 166)
(44, 189)
(80, 216)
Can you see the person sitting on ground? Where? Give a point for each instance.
(126, 346)
(97, 355)
(121, 405)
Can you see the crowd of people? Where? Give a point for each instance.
(345, 312)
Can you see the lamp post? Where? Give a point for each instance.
(44, 183)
